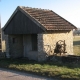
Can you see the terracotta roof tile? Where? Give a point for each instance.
(49, 19)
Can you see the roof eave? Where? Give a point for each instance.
(58, 29)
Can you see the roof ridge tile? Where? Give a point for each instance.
(35, 8)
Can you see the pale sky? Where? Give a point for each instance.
(68, 9)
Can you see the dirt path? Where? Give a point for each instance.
(15, 75)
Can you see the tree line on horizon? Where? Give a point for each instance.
(76, 32)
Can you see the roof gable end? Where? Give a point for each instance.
(43, 18)
(19, 9)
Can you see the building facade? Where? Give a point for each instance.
(34, 33)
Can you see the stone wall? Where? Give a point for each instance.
(41, 54)
(15, 46)
(20, 48)
(4, 38)
(5, 44)
(47, 41)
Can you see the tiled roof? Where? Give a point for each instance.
(49, 19)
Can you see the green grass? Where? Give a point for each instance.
(76, 47)
(51, 69)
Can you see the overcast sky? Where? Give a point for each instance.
(68, 9)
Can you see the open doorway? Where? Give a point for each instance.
(30, 45)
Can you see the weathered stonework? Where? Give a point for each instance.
(41, 54)
(7, 46)
(16, 46)
(48, 41)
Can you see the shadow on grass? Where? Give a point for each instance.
(5, 63)
(60, 62)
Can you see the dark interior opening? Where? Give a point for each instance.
(34, 42)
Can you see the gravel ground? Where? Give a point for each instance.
(15, 75)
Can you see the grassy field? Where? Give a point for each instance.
(76, 44)
(63, 71)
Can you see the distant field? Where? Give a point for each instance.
(76, 43)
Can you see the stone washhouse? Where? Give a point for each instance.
(33, 33)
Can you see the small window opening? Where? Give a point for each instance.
(34, 42)
(13, 40)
